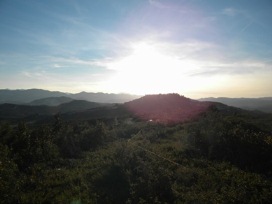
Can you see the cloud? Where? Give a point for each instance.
(36, 75)
(231, 12)
(76, 61)
(180, 8)
(242, 67)
(158, 4)
(58, 66)
(196, 58)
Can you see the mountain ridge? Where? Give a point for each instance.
(168, 109)
(51, 101)
(22, 96)
(263, 104)
(19, 111)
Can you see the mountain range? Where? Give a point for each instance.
(260, 104)
(9, 111)
(51, 101)
(44, 97)
(168, 109)
(162, 108)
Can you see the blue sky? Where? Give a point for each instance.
(193, 47)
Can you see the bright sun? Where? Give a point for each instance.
(149, 70)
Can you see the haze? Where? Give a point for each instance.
(195, 48)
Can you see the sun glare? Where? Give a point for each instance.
(150, 70)
(144, 71)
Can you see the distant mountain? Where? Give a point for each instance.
(161, 108)
(51, 101)
(24, 111)
(261, 104)
(109, 111)
(104, 97)
(77, 106)
(26, 96)
(167, 108)
(32, 95)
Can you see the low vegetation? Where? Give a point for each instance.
(221, 157)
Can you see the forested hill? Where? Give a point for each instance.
(167, 108)
(24, 111)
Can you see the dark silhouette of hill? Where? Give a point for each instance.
(30, 95)
(51, 101)
(162, 108)
(21, 111)
(24, 111)
(261, 104)
(167, 108)
(77, 105)
(109, 111)
(104, 97)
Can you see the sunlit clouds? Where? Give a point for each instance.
(149, 69)
(153, 67)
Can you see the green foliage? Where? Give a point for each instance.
(8, 177)
(220, 158)
(112, 185)
(234, 140)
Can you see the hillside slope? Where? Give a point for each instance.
(167, 108)
(23, 111)
(51, 101)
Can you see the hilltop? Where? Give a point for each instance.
(167, 108)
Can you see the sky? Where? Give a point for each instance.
(197, 48)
